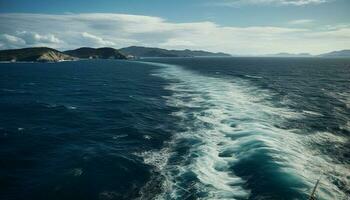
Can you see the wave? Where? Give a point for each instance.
(232, 145)
(57, 106)
(254, 77)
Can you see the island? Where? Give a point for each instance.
(139, 51)
(46, 54)
(99, 53)
(34, 54)
(337, 54)
(284, 54)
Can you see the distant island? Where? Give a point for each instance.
(337, 54)
(283, 54)
(92, 53)
(333, 54)
(45, 54)
(34, 54)
(140, 52)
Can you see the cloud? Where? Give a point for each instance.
(31, 38)
(9, 41)
(69, 31)
(301, 22)
(95, 40)
(235, 3)
(25, 38)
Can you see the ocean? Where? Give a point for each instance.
(175, 128)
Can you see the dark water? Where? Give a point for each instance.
(195, 128)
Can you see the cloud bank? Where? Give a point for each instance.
(301, 21)
(25, 38)
(235, 3)
(69, 31)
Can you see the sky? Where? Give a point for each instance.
(238, 27)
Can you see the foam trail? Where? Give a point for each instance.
(228, 128)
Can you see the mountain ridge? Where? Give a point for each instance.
(95, 53)
(140, 51)
(34, 54)
(340, 53)
(284, 54)
(46, 54)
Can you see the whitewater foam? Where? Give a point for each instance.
(233, 122)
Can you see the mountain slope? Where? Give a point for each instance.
(138, 51)
(100, 53)
(283, 54)
(342, 53)
(34, 54)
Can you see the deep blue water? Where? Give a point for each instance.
(189, 128)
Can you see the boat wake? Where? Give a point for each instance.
(232, 145)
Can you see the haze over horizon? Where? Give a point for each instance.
(251, 27)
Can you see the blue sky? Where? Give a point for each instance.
(234, 26)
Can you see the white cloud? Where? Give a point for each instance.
(176, 43)
(301, 22)
(95, 40)
(10, 41)
(119, 30)
(301, 2)
(235, 3)
(20, 39)
(35, 38)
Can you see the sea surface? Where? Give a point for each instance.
(177, 129)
